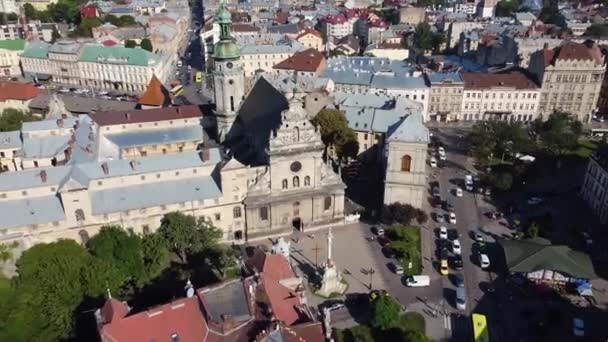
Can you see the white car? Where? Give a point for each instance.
(535, 200)
(468, 182)
(484, 261)
(64, 90)
(441, 150)
(578, 327)
(459, 192)
(456, 248)
(452, 217)
(442, 156)
(443, 232)
(478, 237)
(433, 162)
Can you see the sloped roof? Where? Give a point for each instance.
(517, 80)
(183, 317)
(146, 115)
(156, 94)
(409, 129)
(17, 91)
(308, 61)
(574, 51)
(539, 254)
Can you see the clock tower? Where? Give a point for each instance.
(228, 77)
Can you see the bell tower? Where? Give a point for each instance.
(228, 77)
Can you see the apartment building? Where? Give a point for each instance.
(91, 65)
(34, 28)
(571, 77)
(508, 97)
(594, 190)
(9, 57)
(446, 96)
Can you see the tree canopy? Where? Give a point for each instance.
(550, 14)
(498, 139)
(11, 119)
(130, 44)
(336, 133)
(559, 134)
(385, 312)
(122, 21)
(185, 235)
(402, 213)
(146, 44)
(506, 8)
(597, 30)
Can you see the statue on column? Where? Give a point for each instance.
(331, 282)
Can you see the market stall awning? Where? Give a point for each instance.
(539, 254)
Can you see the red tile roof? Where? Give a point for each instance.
(182, 317)
(335, 19)
(515, 80)
(114, 310)
(146, 115)
(156, 94)
(282, 17)
(282, 300)
(310, 31)
(309, 60)
(17, 91)
(575, 51)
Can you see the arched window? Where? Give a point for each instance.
(236, 212)
(296, 209)
(406, 162)
(84, 236)
(285, 183)
(297, 134)
(79, 215)
(307, 181)
(296, 182)
(327, 203)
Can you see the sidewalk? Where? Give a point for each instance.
(438, 326)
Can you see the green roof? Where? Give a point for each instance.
(539, 254)
(36, 50)
(12, 44)
(117, 55)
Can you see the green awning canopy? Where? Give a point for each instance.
(539, 254)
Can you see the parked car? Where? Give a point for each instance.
(488, 192)
(444, 253)
(102, 93)
(452, 234)
(379, 231)
(578, 327)
(443, 267)
(484, 261)
(448, 206)
(441, 150)
(459, 192)
(477, 236)
(333, 304)
(468, 182)
(457, 262)
(461, 298)
(442, 157)
(456, 248)
(458, 280)
(418, 281)
(63, 90)
(439, 217)
(397, 268)
(443, 232)
(452, 218)
(436, 192)
(433, 162)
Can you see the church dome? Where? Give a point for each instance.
(223, 16)
(226, 49)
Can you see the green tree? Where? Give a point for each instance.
(415, 336)
(559, 134)
(423, 37)
(506, 8)
(155, 255)
(146, 44)
(6, 251)
(55, 35)
(398, 213)
(502, 181)
(336, 134)
(121, 251)
(51, 287)
(499, 139)
(532, 230)
(421, 216)
(130, 44)
(385, 312)
(12, 119)
(126, 20)
(85, 29)
(185, 235)
(30, 11)
(550, 14)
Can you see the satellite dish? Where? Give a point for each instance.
(190, 292)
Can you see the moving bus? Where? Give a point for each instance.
(177, 90)
(480, 328)
(198, 77)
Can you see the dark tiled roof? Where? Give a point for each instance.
(515, 80)
(146, 115)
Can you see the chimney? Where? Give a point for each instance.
(105, 168)
(204, 154)
(132, 164)
(60, 123)
(43, 176)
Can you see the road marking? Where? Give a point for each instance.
(447, 322)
